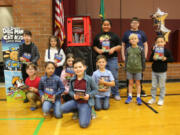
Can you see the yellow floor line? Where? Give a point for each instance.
(58, 126)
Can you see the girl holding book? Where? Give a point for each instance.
(66, 75)
(55, 54)
(50, 89)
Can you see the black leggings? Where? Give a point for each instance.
(23, 70)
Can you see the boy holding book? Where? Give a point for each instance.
(82, 90)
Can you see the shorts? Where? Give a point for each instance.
(134, 76)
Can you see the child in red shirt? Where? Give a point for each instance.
(33, 83)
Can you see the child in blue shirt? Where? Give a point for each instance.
(104, 79)
(50, 89)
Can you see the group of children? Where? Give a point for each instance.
(66, 87)
(135, 65)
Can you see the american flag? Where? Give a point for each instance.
(59, 20)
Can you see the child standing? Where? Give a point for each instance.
(82, 90)
(135, 64)
(104, 79)
(55, 54)
(66, 75)
(160, 57)
(50, 89)
(33, 83)
(28, 52)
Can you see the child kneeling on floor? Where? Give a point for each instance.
(50, 89)
(32, 83)
(82, 90)
(104, 79)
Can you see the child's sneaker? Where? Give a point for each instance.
(93, 114)
(117, 97)
(139, 102)
(151, 101)
(75, 116)
(33, 108)
(46, 116)
(129, 99)
(160, 102)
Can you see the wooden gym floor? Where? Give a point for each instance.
(121, 119)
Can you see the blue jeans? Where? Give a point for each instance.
(101, 103)
(84, 111)
(47, 105)
(112, 65)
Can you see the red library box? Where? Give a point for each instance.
(79, 31)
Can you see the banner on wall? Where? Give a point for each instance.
(12, 38)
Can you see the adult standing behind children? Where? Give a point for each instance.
(28, 52)
(135, 22)
(108, 43)
(55, 54)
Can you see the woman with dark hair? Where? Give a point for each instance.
(108, 43)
